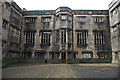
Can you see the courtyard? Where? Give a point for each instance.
(61, 71)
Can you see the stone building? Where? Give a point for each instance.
(55, 36)
(65, 35)
(11, 29)
(114, 11)
(0, 35)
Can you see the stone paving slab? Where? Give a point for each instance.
(62, 71)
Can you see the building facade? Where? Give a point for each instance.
(11, 29)
(0, 36)
(114, 11)
(63, 34)
(55, 36)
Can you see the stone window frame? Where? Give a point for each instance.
(47, 19)
(82, 36)
(14, 34)
(102, 55)
(81, 19)
(99, 36)
(87, 55)
(63, 36)
(98, 19)
(39, 55)
(30, 38)
(64, 17)
(7, 6)
(45, 37)
(5, 24)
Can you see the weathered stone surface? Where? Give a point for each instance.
(53, 34)
(114, 12)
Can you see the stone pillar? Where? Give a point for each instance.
(60, 55)
(48, 55)
(91, 36)
(1, 38)
(66, 55)
(60, 40)
(33, 54)
(118, 55)
(113, 55)
(37, 39)
(66, 39)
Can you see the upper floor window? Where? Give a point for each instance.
(30, 38)
(15, 21)
(14, 34)
(46, 19)
(82, 37)
(63, 17)
(5, 24)
(99, 37)
(45, 38)
(115, 11)
(30, 19)
(98, 19)
(81, 19)
(63, 36)
(7, 6)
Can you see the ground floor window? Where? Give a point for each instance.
(54, 55)
(39, 55)
(87, 55)
(102, 55)
(26, 55)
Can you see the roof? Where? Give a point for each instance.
(52, 12)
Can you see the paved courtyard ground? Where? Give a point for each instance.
(61, 71)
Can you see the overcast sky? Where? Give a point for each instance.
(54, 4)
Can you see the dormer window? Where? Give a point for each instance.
(30, 19)
(98, 19)
(63, 17)
(46, 19)
(82, 19)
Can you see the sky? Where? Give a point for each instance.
(54, 4)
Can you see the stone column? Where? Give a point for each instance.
(60, 55)
(66, 39)
(66, 55)
(33, 54)
(113, 55)
(37, 39)
(60, 48)
(118, 55)
(48, 55)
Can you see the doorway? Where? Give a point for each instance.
(63, 57)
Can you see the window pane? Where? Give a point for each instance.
(63, 17)
(87, 55)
